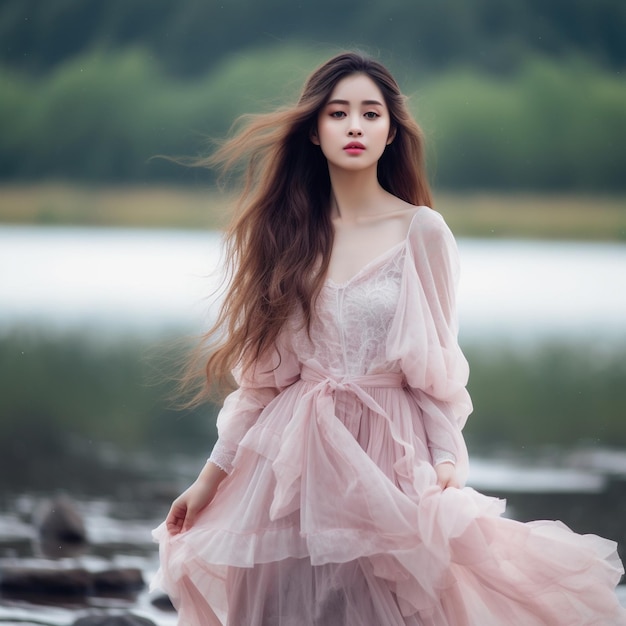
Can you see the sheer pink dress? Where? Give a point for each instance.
(330, 514)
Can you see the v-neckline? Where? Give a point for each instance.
(378, 259)
(373, 263)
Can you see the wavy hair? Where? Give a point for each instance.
(279, 243)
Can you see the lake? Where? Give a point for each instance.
(149, 280)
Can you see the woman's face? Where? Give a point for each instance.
(353, 128)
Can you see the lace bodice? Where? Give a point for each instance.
(352, 321)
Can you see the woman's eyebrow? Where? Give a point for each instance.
(345, 102)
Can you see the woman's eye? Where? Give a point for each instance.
(371, 115)
(337, 114)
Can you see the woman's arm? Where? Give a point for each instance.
(446, 475)
(258, 386)
(193, 500)
(424, 338)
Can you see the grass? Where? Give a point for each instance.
(489, 214)
(557, 393)
(120, 392)
(125, 206)
(537, 216)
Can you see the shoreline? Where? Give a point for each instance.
(488, 214)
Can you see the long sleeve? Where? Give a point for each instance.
(424, 337)
(258, 386)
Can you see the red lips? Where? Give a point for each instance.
(354, 145)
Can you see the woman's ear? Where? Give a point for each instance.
(392, 135)
(314, 137)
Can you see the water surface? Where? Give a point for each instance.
(153, 279)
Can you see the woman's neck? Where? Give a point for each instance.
(355, 194)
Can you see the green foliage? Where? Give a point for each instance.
(190, 37)
(551, 394)
(552, 127)
(56, 386)
(116, 390)
(103, 115)
(90, 90)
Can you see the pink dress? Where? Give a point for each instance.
(331, 515)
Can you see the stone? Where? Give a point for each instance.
(45, 581)
(126, 619)
(162, 602)
(64, 582)
(60, 528)
(118, 580)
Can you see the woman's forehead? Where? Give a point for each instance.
(357, 88)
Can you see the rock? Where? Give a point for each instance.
(127, 619)
(119, 580)
(62, 582)
(162, 602)
(45, 581)
(60, 528)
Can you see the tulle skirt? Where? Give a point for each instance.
(332, 517)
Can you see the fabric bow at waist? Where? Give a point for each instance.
(312, 372)
(315, 423)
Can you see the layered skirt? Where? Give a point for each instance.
(332, 516)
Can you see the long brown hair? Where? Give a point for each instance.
(279, 244)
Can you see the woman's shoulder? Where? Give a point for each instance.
(408, 215)
(416, 222)
(426, 222)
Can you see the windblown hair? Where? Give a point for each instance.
(279, 244)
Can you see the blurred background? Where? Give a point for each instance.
(108, 257)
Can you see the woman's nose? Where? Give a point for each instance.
(355, 132)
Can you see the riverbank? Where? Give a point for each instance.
(488, 214)
(118, 517)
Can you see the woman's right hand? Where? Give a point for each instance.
(192, 501)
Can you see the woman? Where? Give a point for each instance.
(334, 493)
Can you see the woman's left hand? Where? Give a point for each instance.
(446, 475)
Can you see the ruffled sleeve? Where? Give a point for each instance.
(424, 336)
(258, 386)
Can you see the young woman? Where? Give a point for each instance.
(334, 495)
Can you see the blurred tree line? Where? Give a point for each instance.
(190, 37)
(511, 95)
